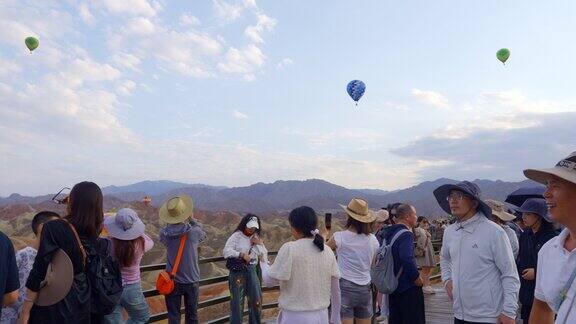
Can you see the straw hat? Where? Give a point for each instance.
(358, 209)
(565, 169)
(58, 280)
(381, 215)
(176, 210)
(499, 210)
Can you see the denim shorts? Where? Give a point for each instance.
(356, 300)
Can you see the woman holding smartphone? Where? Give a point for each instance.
(242, 252)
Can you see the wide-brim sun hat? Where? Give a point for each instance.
(468, 188)
(126, 225)
(565, 169)
(58, 281)
(358, 209)
(536, 206)
(176, 210)
(499, 210)
(381, 215)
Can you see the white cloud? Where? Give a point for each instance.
(132, 7)
(264, 23)
(126, 87)
(246, 61)
(284, 63)
(227, 11)
(432, 98)
(517, 102)
(140, 26)
(80, 71)
(85, 13)
(239, 115)
(125, 60)
(187, 19)
(8, 67)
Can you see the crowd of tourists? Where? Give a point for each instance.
(495, 266)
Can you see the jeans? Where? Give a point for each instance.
(245, 284)
(134, 303)
(174, 302)
(356, 300)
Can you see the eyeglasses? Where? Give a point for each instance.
(455, 196)
(62, 201)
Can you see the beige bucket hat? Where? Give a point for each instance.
(565, 169)
(499, 210)
(176, 210)
(58, 280)
(381, 215)
(358, 209)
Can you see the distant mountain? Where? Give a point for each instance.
(375, 192)
(282, 196)
(152, 188)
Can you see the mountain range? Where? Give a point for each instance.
(282, 196)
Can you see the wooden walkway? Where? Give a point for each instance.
(438, 307)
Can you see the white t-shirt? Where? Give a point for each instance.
(555, 266)
(305, 274)
(355, 254)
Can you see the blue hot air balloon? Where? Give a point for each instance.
(356, 90)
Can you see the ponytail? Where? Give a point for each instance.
(305, 221)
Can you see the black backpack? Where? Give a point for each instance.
(104, 277)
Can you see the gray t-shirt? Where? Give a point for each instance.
(189, 271)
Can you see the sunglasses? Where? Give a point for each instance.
(62, 201)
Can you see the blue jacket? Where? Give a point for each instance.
(403, 253)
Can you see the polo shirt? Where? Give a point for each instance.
(555, 267)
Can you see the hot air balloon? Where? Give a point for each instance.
(356, 89)
(32, 43)
(503, 55)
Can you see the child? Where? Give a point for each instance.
(129, 243)
(25, 260)
(177, 213)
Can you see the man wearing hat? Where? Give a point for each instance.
(555, 290)
(476, 260)
(177, 212)
(501, 217)
(540, 230)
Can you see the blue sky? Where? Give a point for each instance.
(231, 93)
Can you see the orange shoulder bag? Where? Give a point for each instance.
(165, 281)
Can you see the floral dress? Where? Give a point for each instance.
(24, 260)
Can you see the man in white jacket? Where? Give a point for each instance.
(478, 268)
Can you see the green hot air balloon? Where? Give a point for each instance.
(32, 43)
(503, 55)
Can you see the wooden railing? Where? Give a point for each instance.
(203, 283)
(220, 279)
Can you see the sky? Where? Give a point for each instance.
(234, 92)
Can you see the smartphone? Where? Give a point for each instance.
(328, 220)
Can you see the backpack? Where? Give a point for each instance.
(382, 271)
(104, 277)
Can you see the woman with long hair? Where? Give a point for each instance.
(307, 273)
(82, 223)
(242, 252)
(424, 252)
(129, 243)
(356, 248)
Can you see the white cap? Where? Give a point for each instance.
(253, 223)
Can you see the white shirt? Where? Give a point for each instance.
(238, 242)
(355, 255)
(555, 266)
(305, 274)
